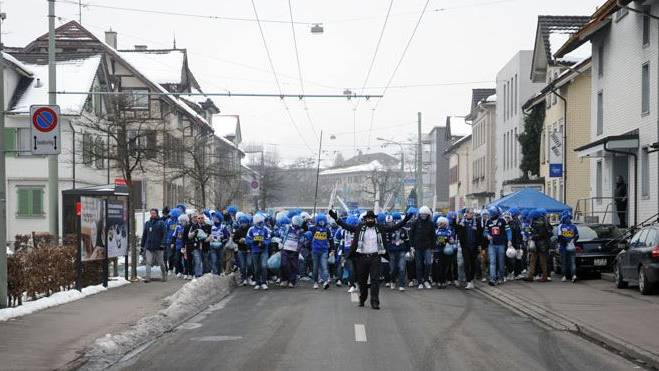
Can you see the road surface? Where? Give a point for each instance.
(306, 329)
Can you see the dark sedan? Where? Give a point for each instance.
(639, 263)
(596, 250)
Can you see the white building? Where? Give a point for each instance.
(625, 107)
(482, 116)
(514, 88)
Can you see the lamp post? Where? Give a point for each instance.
(320, 150)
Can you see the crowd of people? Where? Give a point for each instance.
(361, 250)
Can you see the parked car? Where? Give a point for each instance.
(639, 262)
(597, 248)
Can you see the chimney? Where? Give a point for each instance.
(140, 47)
(111, 38)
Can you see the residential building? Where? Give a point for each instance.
(513, 88)
(482, 167)
(624, 100)
(567, 93)
(159, 121)
(459, 176)
(436, 164)
(364, 179)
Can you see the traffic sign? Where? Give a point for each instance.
(255, 187)
(45, 130)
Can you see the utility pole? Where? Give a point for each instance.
(53, 171)
(419, 164)
(3, 179)
(320, 149)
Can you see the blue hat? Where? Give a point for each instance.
(232, 210)
(396, 215)
(381, 218)
(352, 220)
(321, 219)
(493, 211)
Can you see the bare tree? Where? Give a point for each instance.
(272, 177)
(133, 146)
(382, 183)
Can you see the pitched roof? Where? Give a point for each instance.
(381, 157)
(72, 75)
(17, 65)
(457, 143)
(477, 95)
(70, 32)
(599, 19)
(361, 168)
(164, 66)
(556, 29)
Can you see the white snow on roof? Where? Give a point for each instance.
(163, 67)
(584, 51)
(459, 128)
(225, 125)
(74, 75)
(491, 98)
(10, 58)
(371, 166)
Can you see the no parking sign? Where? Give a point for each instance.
(45, 130)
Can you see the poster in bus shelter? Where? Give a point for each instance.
(117, 228)
(92, 228)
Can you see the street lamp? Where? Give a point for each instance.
(320, 150)
(317, 28)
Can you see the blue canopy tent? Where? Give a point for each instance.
(529, 198)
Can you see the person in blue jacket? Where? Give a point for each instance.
(397, 244)
(153, 240)
(345, 265)
(179, 237)
(170, 226)
(292, 238)
(219, 237)
(444, 240)
(321, 245)
(499, 236)
(568, 235)
(258, 239)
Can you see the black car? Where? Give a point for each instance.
(596, 248)
(639, 262)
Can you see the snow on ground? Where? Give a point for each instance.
(57, 298)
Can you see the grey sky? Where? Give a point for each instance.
(467, 42)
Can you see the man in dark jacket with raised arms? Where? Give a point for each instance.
(366, 248)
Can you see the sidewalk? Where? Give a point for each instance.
(621, 319)
(52, 338)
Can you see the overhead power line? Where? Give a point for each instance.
(400, 61)
(180, 14)
(299, 70)
(274, 73)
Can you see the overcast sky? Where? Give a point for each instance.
(459, 45)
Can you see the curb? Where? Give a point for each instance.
(608, 277)
(562, 323)
(190, 300)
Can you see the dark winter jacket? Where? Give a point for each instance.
(153, 235)
(359, 229)
(422, 234)
(469, 232)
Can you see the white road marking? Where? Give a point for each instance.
(360, 333)
(189, 326)
(217, 338)
(354, 297)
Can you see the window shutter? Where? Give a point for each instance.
(37, 201)
(10, 142)
(23, 202)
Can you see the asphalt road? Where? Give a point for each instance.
(306, 329)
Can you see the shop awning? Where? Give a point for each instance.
(611, 144)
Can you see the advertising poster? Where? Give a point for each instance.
(92, 228)
(117, 228)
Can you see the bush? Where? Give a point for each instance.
(41, 267)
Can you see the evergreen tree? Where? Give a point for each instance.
(530, 141)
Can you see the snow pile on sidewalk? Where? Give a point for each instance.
(189, 300)
(57, 298)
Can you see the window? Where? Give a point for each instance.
(505, 151)
(99, 151)
(645, 88)
(553, 95)
(138, 99)
(542, 147)
(9, 138)
(30, 202)
(515, 147)
(600, 113)
(621, 13)
(598, 182)
(645, 173)
(646, 27)
(87, 149)
(505, 101)
(515, 89)
(600, 60)
(560, 190)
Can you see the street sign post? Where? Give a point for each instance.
(45, 130)
(255, 187)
